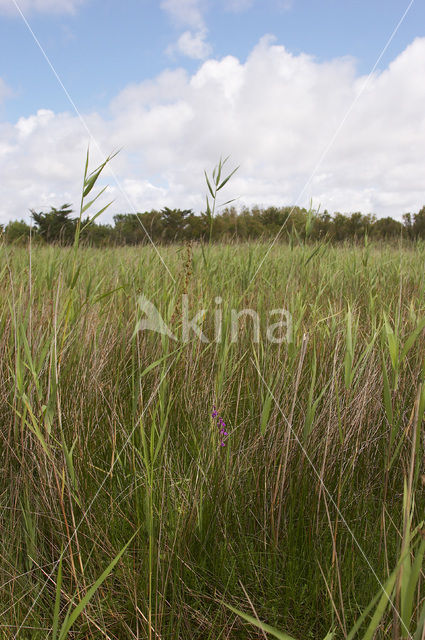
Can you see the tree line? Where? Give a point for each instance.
(57, 226)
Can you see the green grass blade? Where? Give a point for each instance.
(412, 339)
(210, 189)
(280, 635)
(56, 608)
(90, 593)
(407, 603)
(226, 180)
(383, 603)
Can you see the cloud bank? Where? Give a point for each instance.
(275, 113)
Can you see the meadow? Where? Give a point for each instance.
(122, 516)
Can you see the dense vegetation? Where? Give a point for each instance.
(107, 438)
(173, 225)
(156, 485)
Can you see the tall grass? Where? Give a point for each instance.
(118, 502)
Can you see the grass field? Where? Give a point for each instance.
(121, 514)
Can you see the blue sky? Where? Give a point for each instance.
(111, 56)
(104, 45)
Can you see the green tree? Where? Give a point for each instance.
(97, 235)
(133, 228)
(323, 225)
(408, 224)
(175, 224)
(419, 224)
(55, 226)
(387, 228)
(17, 232)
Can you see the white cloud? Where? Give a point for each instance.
(185, 13)
(192, 45)
(274, 113)
(193, 41)
(47, 6)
